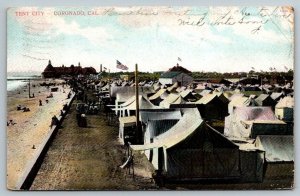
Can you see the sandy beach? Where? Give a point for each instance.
(28, 129)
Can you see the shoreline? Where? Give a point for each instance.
(27, 130)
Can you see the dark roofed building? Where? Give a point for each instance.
(180, 69)
(56, 72)
(176, 74)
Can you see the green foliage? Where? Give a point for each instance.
(200, 75)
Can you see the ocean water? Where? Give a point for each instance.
(14, 82)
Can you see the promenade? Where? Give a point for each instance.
(89, 159)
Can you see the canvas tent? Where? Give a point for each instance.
(158, 96)
(265, 100)
(279, 155)
(156, 122)
(284, 109)
(193, 150)
(277, 96)
(212, 107)
(251, 162)
(122, 100)
(130, 105)
(222, 96)
(187, 95)
(173, 87)
(156, 86)
(129, 90)
(159, 114)
(171, 99)
(205, 92)
(240, 101)
(126, 128)
(248, 122)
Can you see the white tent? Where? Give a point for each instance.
(284, 109)
(130, 105)
(192, 149)
(172, 99)
(246, 122)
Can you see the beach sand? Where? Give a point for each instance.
(31, 127)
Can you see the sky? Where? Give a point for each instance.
(221, 39)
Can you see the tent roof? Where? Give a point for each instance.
(200, 86)
(171, 99)
(277, 147)
(188, 123)
(174, 86)
(286, 102)
(129, 101)
(158, 94)
(207, 98)
(261, 98)
(239, 101)
(254, 113)
(276, 121)
(276, 95)
(129, 89)
(204, 92)
(186, 92)
(222, 96)
(234, 95)
(144, 103)
(127, 121)
(156, 115)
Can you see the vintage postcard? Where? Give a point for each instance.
(150, 98)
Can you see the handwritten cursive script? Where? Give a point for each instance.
(233, 17)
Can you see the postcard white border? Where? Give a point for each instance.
(19, 3)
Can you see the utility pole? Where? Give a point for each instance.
(109, 82)
(29, 88)
(137, 113)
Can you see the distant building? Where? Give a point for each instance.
(124, 77)
(56, 72)
(176, 74)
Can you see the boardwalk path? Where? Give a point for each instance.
(89, 158)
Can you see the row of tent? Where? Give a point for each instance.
(266, 88)
(211, 104)
(180, 144)
(183, 146)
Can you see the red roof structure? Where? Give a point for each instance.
(56, 72)
(178, 68)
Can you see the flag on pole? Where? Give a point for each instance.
(179, 59)
(121, 66)
(104, 68)
(285, 67)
